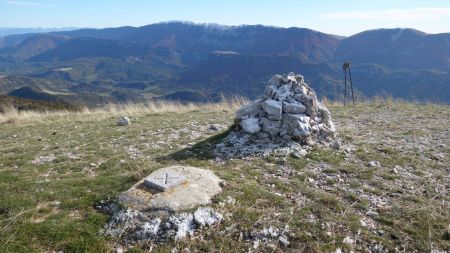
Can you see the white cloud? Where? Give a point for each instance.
(393, 14)
(26, 3)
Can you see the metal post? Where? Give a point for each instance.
(345, 89)
(351, 85)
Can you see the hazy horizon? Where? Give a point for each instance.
(330, 17)
(50, 29)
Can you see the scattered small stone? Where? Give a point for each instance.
(231, 200)
(395, 170)
(133, 226)
(299, 153)
(70, 155)
(44, 159)
(338, 250)
(107, 207)
(268, 236)
(205, 216)
(335, 145)
(149, 229)
(377, 248)
(123, 121)
(183, 224)
(348, 240)
(372, 214)
(438, 251)
(284, 240)
(363, 223)
(438, 157)
(228, 201)
(374, 164)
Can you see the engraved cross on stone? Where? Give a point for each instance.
(166, 177)
(164, 181)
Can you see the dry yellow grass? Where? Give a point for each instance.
(12, 116)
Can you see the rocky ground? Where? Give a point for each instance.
(385, 189)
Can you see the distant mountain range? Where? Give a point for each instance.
(398, 48)
(193, 62)
(12, 30)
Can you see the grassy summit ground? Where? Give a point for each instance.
(55, 167)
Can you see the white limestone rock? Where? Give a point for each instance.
(251, 109)
(299, 78)
(123, 121)
(183, 224)
(326, 117)
(290, 78)
(299, 153)
(149, 229)
(206, 216)
(294, 107)
(301, 90)
(133, 226)
(198, 188)
(272, 127)
(276, 80)
(283, 92)
(292, 119)
(326, 131)
(272, 107)
(270, 90)
(298, 124)
(251, 125)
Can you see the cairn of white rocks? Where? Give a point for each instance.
(288, 111)
(287, 120)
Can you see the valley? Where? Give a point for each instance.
(201, 62)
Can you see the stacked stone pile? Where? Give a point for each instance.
(287, 120)
(288, 111)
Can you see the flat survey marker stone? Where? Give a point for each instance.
(172, 188)
(164, 181)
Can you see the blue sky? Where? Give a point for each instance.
(331, 16)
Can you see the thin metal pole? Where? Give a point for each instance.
(351, 85)
(345, 89)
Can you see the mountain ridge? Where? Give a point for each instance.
(161, 59)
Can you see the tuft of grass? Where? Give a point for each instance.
(11, 115)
